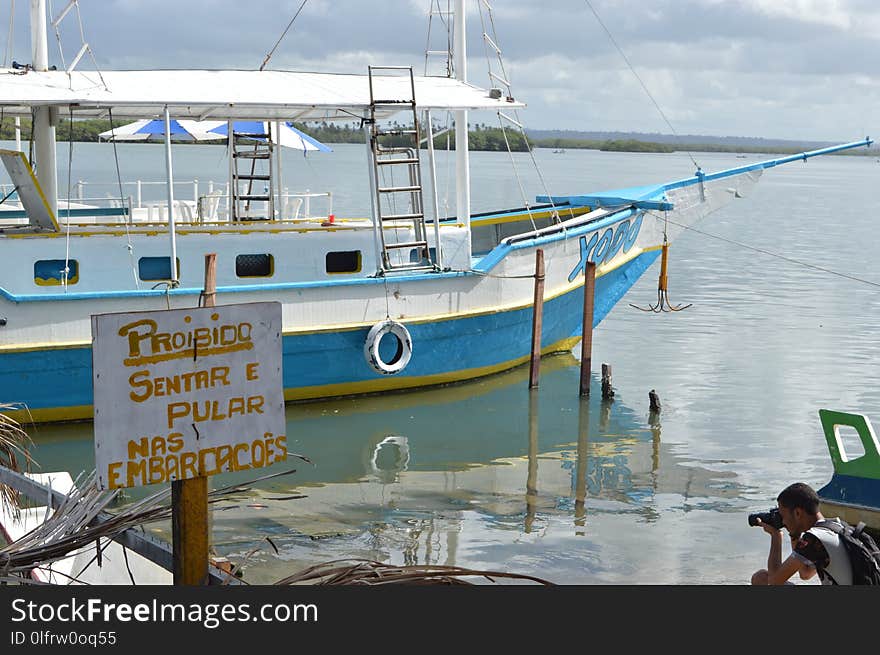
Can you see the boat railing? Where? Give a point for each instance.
(214, 206)
(199, 200)
(195, 202)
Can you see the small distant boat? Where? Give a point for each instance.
(559, 151)
(853, 493)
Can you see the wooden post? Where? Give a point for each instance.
(654, 400)
(210, 292)
(587, 332)
(189, 498)
(537, 317)
(532, 474)
(607, 390)
(580, 487)
(654, 422)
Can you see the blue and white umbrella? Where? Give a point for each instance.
(154, 130)
(287, 135)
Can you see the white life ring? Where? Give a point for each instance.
(404, 347)
(400, 463)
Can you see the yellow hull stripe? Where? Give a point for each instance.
(852, 514)
(85, 412)
(565, 212)
(298, 225)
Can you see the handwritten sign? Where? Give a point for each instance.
(187, 392)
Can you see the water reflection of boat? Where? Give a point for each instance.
(484, 461)
(428, 476)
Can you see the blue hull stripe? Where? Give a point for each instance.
(58, 378)
(849, 490)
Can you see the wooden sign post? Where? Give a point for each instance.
(182, 394)
(189, 497)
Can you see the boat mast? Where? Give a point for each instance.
(462, 164)
(45, 118)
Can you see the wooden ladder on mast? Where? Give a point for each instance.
(393, 149)
(242, 154)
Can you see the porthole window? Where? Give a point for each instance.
(55, 272)
(254, 265)
(152, 269)
(344, 261)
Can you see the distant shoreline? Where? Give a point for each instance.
(635, 145)
(483, 138)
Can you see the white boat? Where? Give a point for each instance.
(853, 492)
(399, 297)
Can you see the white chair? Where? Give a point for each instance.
(208, 206)
(184, 210)
(292, 207)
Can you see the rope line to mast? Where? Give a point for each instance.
(641, 82)
(777, 255)
(129, 246)
(283, 34)
(66, 273)
(11, 37)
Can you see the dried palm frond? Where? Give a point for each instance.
(370, 572)
(14, 453)
(75, 525)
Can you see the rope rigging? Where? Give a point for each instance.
(777, 255)
(283, 34)
(129, 245)
(84, 47)
(641, 82)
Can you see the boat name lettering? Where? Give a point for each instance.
(157, 459)
(601, 249)
(146, 345)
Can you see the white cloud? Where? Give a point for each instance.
(833, 13)
(777, 68)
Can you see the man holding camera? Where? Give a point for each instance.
(813, 546)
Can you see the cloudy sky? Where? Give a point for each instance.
(795, 69)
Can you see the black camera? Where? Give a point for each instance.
(771, 517)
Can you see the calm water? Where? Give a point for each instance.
(487, 475)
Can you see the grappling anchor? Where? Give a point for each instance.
(663, 304)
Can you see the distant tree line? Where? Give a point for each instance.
(636, 145)
(81, 129)
(481, 137)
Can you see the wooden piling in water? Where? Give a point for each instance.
(537, 318)
(580, 486)
(587, 331)
(607, 389)
(654, 400)
(532, 473)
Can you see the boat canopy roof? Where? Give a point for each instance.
(236, 94)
